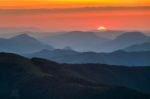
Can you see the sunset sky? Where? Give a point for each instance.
(58, 15)
(69, 3)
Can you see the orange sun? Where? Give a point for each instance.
(102, 28)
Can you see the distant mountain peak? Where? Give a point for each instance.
(133, 34)
(68, 48)
(22, 43)
(77, 40)
(21, 36)
(24, 37)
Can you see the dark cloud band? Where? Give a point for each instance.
(69, 10)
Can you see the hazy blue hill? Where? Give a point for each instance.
(81, 41)
(68, 48)
(22, 44)
(22, 78)
(24, 37)
(138, 47)
(114, 58)
(55, 53)
(125, 40)
(109, 33)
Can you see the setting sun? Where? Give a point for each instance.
(102, 28)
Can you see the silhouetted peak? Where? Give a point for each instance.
(22, 36)
(68, 48)
(132, 35)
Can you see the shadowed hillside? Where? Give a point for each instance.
(22, 78)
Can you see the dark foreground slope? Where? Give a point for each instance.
(22, 78)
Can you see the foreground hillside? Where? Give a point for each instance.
(22, 78)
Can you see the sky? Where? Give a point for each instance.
(66, 15)
(69, 3)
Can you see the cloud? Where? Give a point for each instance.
(70, 10)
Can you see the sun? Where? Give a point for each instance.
(102, 28)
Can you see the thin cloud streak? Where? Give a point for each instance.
(70, 10)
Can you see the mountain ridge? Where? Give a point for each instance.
(138, 47)
(77, 40)
(69, 81)
(22, 43)
(122, 41)
(119, 57)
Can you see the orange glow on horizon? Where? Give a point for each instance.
(115, 20)
(128, 19)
